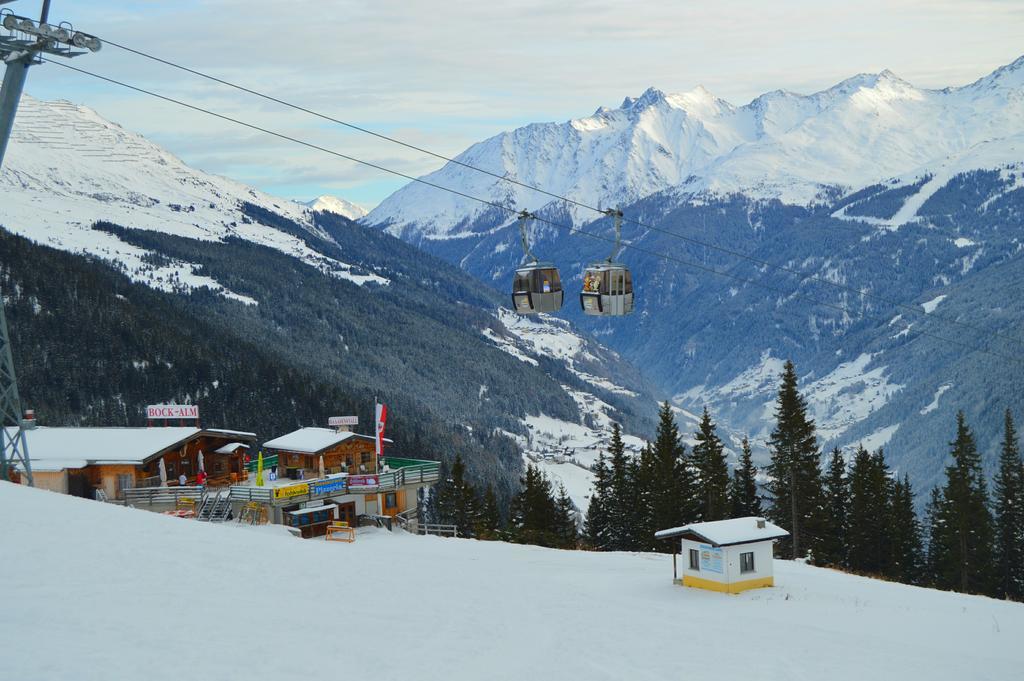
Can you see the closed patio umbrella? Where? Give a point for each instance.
(322, 466)
(259, 469)
(163, 473)
(201, 466)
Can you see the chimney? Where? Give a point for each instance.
(760, 523)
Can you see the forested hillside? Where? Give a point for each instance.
(94, 348)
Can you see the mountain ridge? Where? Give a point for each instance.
(697, 144)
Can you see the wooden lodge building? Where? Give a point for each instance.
(80, 461)
(354, 484)
(298, 453)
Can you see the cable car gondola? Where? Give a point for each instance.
(608, 286)
(536, 287)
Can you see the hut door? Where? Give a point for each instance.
(347, 513)
(78, 485)
(393, 502)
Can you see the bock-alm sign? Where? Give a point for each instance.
(172, 411)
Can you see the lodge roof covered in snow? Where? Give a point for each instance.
(54, 449)
(727, 532)
(314, 440)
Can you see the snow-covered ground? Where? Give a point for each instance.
(97, 591)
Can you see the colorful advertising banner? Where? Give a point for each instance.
(332, 485)
(711, 559)
(364, 481)
(290, 491)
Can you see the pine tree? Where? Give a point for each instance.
(832, 549)
(456, 502)
(964, 541)
(565, 520)
(906, 563)
(488, 524)
(868, 518)
(532, 512)
(794, 471)
(934, 529)
(743, 497)
(596, 527)
(620, 480)
(644, 484)
(672, 499)
(712, 484)
(1009, 525)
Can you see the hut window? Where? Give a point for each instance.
(390, 501)
(747, 561)
(218, 466)
(695, 560)
(124, 481)
(364, 457)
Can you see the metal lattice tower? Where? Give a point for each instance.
(22, 42)
(13, 444)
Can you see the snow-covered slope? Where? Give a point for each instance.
(797, 148)
(334, 204)
(67, 167)
(102, 592)
(565, 450)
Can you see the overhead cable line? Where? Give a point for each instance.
(504, 178)
(511, 210)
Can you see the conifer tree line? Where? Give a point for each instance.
(538, 514)
(851, 513)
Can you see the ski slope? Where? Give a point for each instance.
(98, 591)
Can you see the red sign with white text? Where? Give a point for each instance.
(363, 481)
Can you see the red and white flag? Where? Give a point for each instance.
(381, 418)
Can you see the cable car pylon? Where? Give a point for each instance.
(20, 48)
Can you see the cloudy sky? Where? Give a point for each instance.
(445, 74)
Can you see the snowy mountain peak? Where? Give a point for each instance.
(650, 97)
(1010, 76)
(783, 145)
(333, 204)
